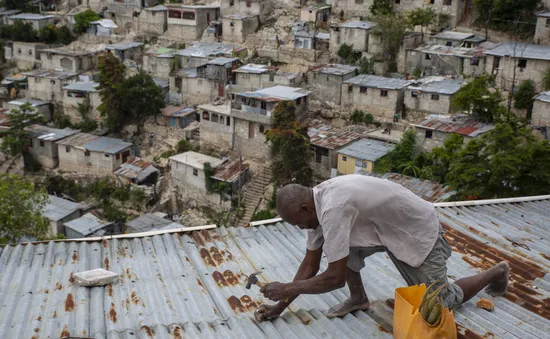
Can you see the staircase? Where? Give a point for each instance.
(254, 192)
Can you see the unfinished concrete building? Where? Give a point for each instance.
(187, 22)
(37, 21)
(68, 59)
(431, 95)
(315, 13)
(542, 31)
(352, 8)
(456, 39)
(457, 9)
(24, 54)
(42, 143)
(444, 60)
(325, 80)
(81, 93)
(160, 62)
(127, 51)
(356, 34)
(153, 20)
(217, 126)
(380, 96)
(261, 8)
(48, 85)
(41, 106)
(201, 52)
(235, 27)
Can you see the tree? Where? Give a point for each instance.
(366, 66)
(508, 15)
(111, 76)
(141, 97)
(422, 17)
(390, 30)
(289, 147)
(525, 96)
(346, 52)
(480, 99)
(14, 4)
(64, 35)
(504, 162)
(48, 35)
(402, 154)
(441, 158)
(21, 31)
(21, 209)
(381, 7)
(16, 138)
(83, 19)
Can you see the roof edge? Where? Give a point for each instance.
(491, 201)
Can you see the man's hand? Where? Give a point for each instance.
(266, 312)
(275, 291)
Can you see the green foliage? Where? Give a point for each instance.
(111, 77)
(183, 146)
(390, 29)
(48, 35)
(57, 185)
(263, 215)
(358, 117)
(422, 17)
(167, 154)
(140, 98)
(83, 19)
(64, 35)
(21, 209)
(111, 213)
(381, 7)
(480, 99)
(400, 157)
(31, 163)
(15, 4)
(417, 72)
(546, 80)
(366, 66)
(15, 139)
(289, 147)
(524, 97)
(508, 15)
(346, 52)
(208, 173)
(19, 31)
(137, 197)
(505, 162)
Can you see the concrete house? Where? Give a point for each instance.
(127, 51)
(457, 9)
(324, 81)
(432, 95)
(68, 59)
(250, 77)
(92, 154)
(306, 39)
(326, 141)
(436, 128)
(262, 8)
(90, 225)
(361, 155)
(24, 54)
(159, 62)
(58, 211)
(153, 20)
(188, 22)
(383, 97)
(315, 13)
(5, 14)
(220, 72)
(235, 27)
(217, 126)
(352, 8)
(102, 28)
(48, 85)
(530, 61)
(444, 60)
(542, 32)
(81, 93)
(42, 107)
(541, 111)
(176, 116)
(200, 53)
(354, 33)
(38, 21)
(252, 112)
(42, 143)
(454, 39)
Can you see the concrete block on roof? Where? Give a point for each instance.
(96, 277)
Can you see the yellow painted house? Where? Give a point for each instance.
(361, 155)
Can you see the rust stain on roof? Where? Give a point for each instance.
(110, 290)
(112, 313)
(230, 277)
(330, 137)
(71, 279)
(220, 280)
(177, 334)
(205, 255)
(69, 303)
(58, 286)
(75, 256)
(106, 262)
(249, 303)
(148, 331)
(65, 332)
(216, 255)
(236, 304)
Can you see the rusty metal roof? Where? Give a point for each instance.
(229, 171)
(181, 284)
(458, 123)
(136, 168)
(330, 137)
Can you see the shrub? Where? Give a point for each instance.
(263, 215)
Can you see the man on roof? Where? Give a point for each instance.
(352, 217)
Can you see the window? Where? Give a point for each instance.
(350, 88)
(363, 90)
(231, 2)
(263, 105)
(188, 15)
(428, 134)
(358, 2)
(87, 153)
(432, 2)
(117, 157)
(397, 2)
(19, 51)
(30, 51)
(232, 24)
(41, 143)
(214, 117)
(200, 82)
(344, 158)
(174, 14)
(178, 83)
(30, 143)
(414, 94)
(474, 61)
(262, 129)
(522, 63)
(106, 155)
(547, 23)
(298, 101)
(449, 43)
(447, 2)
(248, 3)
(153, 13)
(435, 97)
(228, 121)
(195, 172)
(52, 82)
(428, 57)
(383, 93)
(67, 149)
(205, 116)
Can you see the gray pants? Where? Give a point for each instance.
(432, 269)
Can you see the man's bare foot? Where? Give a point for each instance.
(499, 285)
(348, 306)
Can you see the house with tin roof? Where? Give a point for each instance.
(69, 59)
(356, 34)
(235, 27)
(176, 116)
(42, 107)
(38, 21)
(102, 28)
(542, 30)
(80, 93)
(432, 95)
(48, 85)
(454, 38)
(92, 154)
(151, 222)
(362, 155)
(25, 55)
(380, 96)
(436, 128)
(137, 171)
(326, 79)
(159, 62)
(43, 143)
(204, 270)
(128, 50)
(188, 22)
(58, 211)
(90, 224)
(529, 61)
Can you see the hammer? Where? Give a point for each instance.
(253, 280)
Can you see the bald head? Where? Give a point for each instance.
(295, 205)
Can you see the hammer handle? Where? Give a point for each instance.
(260, 284)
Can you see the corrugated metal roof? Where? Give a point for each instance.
(89, 86)
(158, 8)
(278, 92)
(450, 35)
(335, 69)
(161, 83)
(196, 160)
(327, 136)
(136, 168)
(124, 45)
(367, 149)
(543, 96)
(49, 133)
(255, 68)
(95, 143)
(239, 16)
(58, 208)
(544, 14)
(452, 51)
(147, 222)
(358, 24)
(87, 224)
(521, 50)
(105, 23)
(458, 123)
(33, 102)
(377, 82)
(438, 85)
(69, 51)
(210, 49)
(10, 12)
(184, 284)
(31, 16)
(50, 74)
(162, 52)
(177, 111)
(426, 189)
(222, 61)
(229, 171)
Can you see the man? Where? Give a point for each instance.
(352, 217)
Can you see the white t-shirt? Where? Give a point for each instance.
(361, 211)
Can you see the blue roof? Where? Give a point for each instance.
(95, 143)
(367, 149)
(87, 224)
